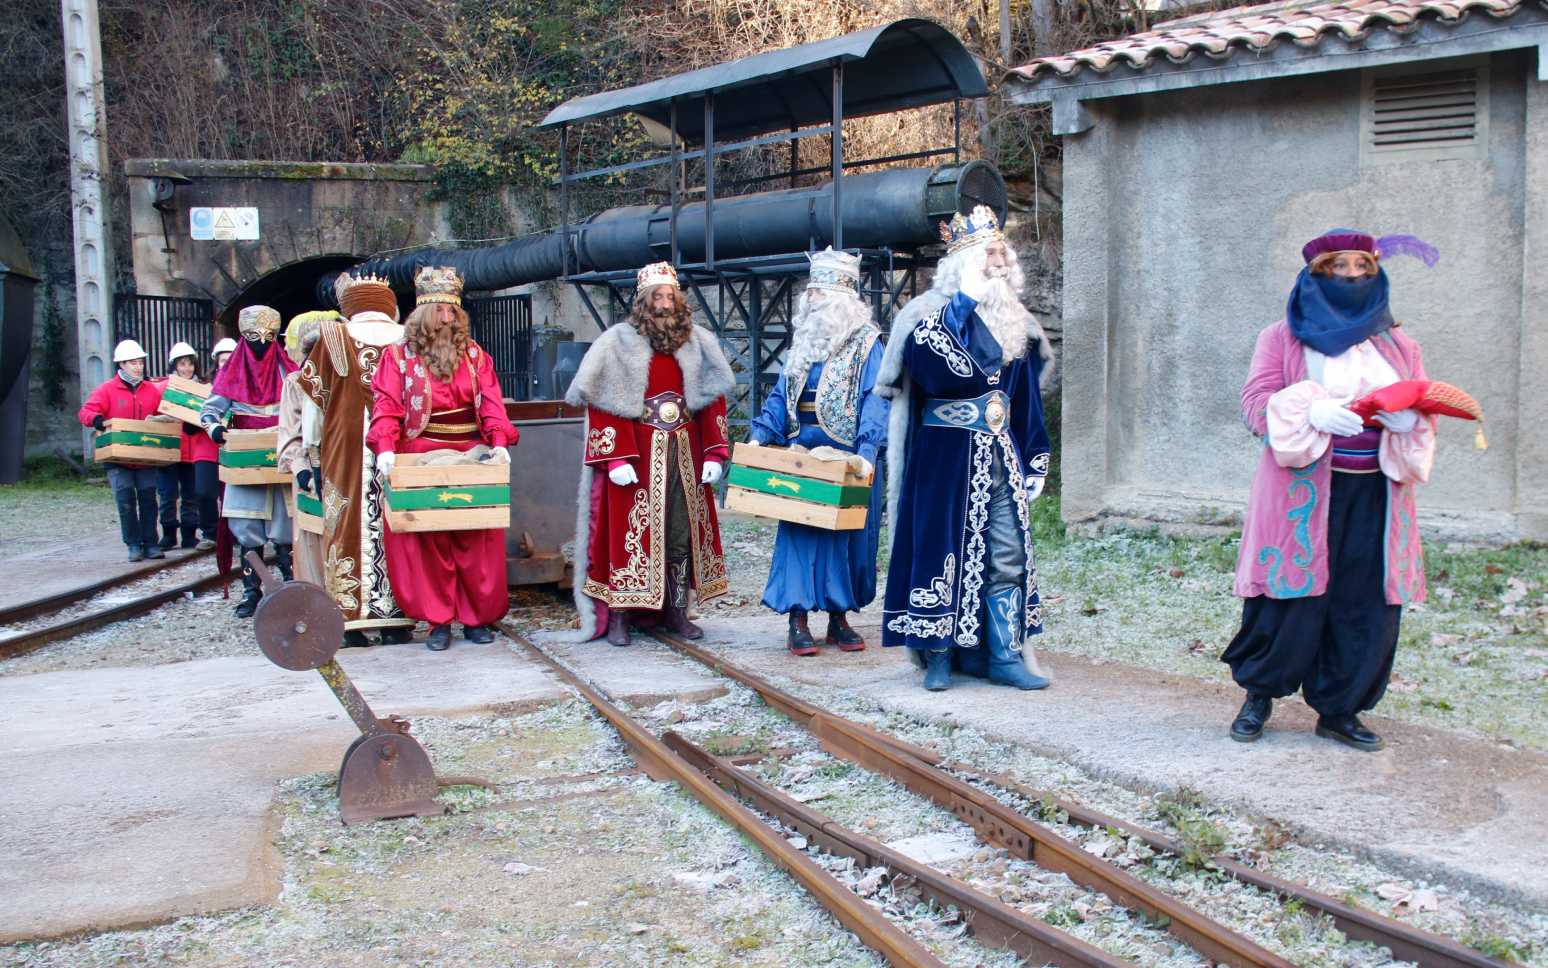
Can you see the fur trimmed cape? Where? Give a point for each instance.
(612, 377)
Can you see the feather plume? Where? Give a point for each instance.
(1391, 245)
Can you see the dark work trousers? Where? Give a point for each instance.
(679, 529)
(134, 488)
(174, 483)
(1337, 647)
(1005, 566)
(207, 491)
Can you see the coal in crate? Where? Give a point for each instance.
(800, 486)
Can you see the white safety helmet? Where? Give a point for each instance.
(128, 350)
(181, 350)
(227, 345)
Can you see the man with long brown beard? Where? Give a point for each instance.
(435, 390)
(966, 440)
(656, 427)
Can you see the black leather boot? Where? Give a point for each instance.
(398, 635)
(252, 586)
(285, 561)
(617, 626)
(355, 639)
(1256, 711)
(800, 639)
(440, 639)
(674, 611)
(1348, 729)
(478, 634)
(841, 635)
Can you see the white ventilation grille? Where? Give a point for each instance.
(1425, 117)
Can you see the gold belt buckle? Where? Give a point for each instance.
(669, 412)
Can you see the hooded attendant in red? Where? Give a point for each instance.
(654, 391)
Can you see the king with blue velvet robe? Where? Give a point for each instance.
(941, 352)
(815, 569)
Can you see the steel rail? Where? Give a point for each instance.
(53, 603)
(24, 642)
(994, 924)
(663, 765)
(1408, 943)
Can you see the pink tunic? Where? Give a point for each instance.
(1284, 550)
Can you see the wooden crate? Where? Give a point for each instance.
(456, 497)
(182, 399)
(251, 457)
(774, 482)
(125, 441)
(306, 510)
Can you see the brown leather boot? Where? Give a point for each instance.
(674, 611)
(617, 626)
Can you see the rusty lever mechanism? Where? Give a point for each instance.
(385, 773)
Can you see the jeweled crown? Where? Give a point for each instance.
(437, 284)
(656, 274)
(968, 230)
(258, 318)
(837, 271)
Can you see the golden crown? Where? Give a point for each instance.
(261, 319)
(968, 230)
(657, 274)
(434, 284)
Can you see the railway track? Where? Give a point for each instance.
(20, 643)
(976, 797)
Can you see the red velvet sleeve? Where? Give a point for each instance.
(497, 428)
(387, 410)
(610, 438)
(713, 432)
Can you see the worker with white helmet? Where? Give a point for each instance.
(198, 508)
(129, 395)
(221, 353)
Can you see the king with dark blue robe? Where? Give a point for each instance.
(963, 572)
(815, 569)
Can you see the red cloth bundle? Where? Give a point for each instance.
(1426, 396)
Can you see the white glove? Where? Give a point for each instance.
(866, 467)
(974, 283)
(1332, 417)
(1035, 486)
(1399, 422)
(385, 462)
(752, 443)
(503, 455)
(623, 475)
(711, 471)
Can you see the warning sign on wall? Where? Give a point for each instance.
(223, 224)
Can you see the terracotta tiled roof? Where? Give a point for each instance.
(1260, 28)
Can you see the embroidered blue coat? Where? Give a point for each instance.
(813, 568)
(935, 584)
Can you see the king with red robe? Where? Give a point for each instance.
(435, 389)
(654, 390)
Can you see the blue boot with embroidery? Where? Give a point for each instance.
(1005, 664)
(937, 670)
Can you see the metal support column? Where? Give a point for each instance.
(838, 151)
(564, 201)
(709, 181)
(672, 188)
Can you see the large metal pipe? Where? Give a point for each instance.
(900, 208)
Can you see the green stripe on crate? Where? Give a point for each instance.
(180, 399)
(248, 458)
(307, 504)
(137, 439)
(800, 488)
(420, 498)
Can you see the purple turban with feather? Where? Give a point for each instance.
(1332, 313)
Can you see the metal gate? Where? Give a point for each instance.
(502, 325)
(159, 323)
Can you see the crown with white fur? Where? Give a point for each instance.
(979, 228)
(836, 271)
(657, 274)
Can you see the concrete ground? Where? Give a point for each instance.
(140, 794)
(60, 567)
(1456, 810)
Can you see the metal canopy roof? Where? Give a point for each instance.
(905, 64)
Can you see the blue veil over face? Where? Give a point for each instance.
(1332, 313)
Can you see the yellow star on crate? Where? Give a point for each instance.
(447, 496)
(777, 482)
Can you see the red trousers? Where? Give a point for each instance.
(449, 576)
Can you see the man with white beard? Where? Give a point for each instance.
(825, 398)
(964, 371)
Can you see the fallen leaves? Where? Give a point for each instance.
(521, 870)
(1414, 902)
(1515, 591)
(1440, 640)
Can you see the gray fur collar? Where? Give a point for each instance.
(889, 380)
(614, 372)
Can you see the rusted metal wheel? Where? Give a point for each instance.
(298, 626)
